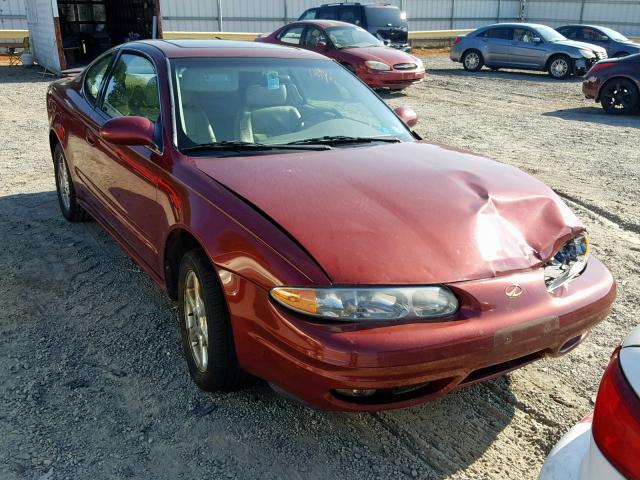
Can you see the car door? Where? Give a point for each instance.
(124, 177)
(494, 45)
(595, 37)
(524, 51)
(82, 153)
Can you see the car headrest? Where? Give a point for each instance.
(201, 80)
(263, 97)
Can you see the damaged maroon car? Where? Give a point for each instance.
(308, 235)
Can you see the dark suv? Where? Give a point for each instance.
(384, 21)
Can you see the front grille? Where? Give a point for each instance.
(405, 66)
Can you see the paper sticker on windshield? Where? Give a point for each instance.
(273, 81)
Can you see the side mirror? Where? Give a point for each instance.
(537, 40)
(407, 115)
(128, 131)
(321, 44)
(604, 38)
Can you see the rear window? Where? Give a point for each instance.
(383, 16)
(502, 33)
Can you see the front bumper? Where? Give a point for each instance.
(490, 336)
(591, 86)
(390, 79)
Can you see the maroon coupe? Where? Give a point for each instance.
(354, 48)
(309, 237)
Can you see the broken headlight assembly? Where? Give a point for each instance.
(568, 263)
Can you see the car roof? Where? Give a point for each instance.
(513, 25)
(182, 48)
(582, 25)
(324, 23)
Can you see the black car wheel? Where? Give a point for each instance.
(67, 199)
(620, 97)
(560, 67)
(472, 60)
(207, 338)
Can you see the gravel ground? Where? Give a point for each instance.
(92, 379)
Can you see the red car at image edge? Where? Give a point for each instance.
(308, 235)
(354, 48)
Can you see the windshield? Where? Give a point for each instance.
(274, 101)
(384, 16)
(549, 34)
(352, 37)
(613, 35)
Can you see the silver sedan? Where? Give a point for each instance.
(525, 46)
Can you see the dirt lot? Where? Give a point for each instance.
(92, 379)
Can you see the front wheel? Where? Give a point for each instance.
(560, 67)
(205, 326)
(472, 61)
(67, 199)
(620, 97)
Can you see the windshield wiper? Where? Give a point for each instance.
(342, 139)
(239, 146)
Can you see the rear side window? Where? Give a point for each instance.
(132, 89)
(327, 13)
(502, 33)
(94, 78)
(309, 14)
(350, 14)
(292, 36)
(569, 32)
(384, 16)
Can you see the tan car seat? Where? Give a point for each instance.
(195, 122)
(267, 114)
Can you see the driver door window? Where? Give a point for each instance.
(132, 89)
(292, 36)
(313, 38)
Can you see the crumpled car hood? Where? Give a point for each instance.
(409, 213)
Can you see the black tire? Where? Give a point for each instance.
(472, 60)
(222, 373)
(560, 67)
(620, 96)
(67, 199)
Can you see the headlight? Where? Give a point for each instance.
(374, 65)
(587, 54)
(368, 303)
(568, 263)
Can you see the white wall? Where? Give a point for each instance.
(40, 15)
(267, 15)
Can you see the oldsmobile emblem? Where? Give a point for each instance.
(513, 291)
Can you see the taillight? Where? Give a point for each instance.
(600, 66)
(616, 420)
(457, 40)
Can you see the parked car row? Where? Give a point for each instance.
(614, 82)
